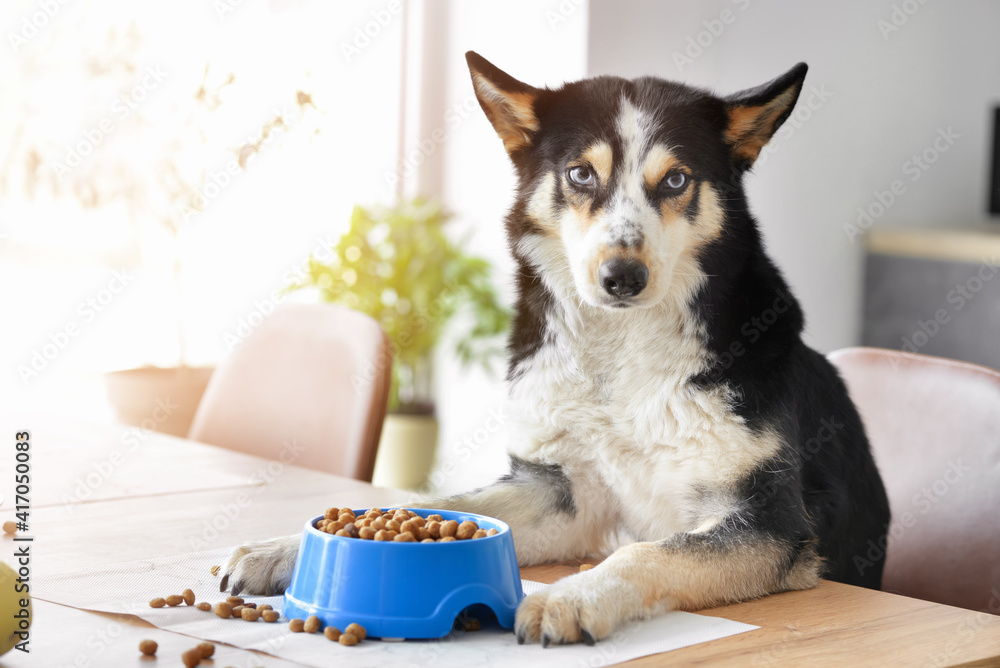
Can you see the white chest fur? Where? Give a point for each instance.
(607, 397)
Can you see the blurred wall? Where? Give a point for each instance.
(887, 81)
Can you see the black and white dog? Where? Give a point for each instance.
(666, 411)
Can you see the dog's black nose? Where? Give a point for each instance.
(623, 278)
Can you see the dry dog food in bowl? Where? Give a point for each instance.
(462, 559)
(398, 525)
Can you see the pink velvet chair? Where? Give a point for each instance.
(934, 426)
(310, 382)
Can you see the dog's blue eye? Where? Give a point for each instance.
(582, 176)
(677, 181)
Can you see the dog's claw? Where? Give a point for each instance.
(225, 581)
(520, 638)
(237, 588)
(545, 640)
(587, 638)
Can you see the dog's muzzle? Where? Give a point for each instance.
(623, 278)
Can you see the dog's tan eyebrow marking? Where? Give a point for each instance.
(658, 162)
(600, 157)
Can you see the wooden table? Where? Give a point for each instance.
(154, 495)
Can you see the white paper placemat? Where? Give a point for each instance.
(128, 587)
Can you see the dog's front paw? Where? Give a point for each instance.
(262, 568)
(585, 607)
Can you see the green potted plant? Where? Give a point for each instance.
(397, 265)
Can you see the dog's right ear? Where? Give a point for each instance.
(508, 103)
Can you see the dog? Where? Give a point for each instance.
(666, 411)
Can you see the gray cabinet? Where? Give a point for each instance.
(934, 292)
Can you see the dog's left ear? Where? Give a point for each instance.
(508, 103)
(755, 114)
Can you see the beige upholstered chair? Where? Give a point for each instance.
(309, 386)
(934, 425)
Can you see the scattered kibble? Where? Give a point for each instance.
(470, 623)
(215, 570)
(204, 605)
(296, 625)
(264, 607)
(347, 639)
(312, 624)
(234, 600)
(224, 610)
(250, 614)
(207, 649)
(332, 633)
(191, 658)
(270, 615)
(157, 603)
(148, 647)
(188, 596)
(238, 611)
(586, 567)
(174, 600)
(357, 630)
(398, 525)
(10, 528)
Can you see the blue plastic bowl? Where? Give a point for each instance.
(404, 590)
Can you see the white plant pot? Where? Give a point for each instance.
(405, 451)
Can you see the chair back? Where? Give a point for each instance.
(308, 386)
(934, 427)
